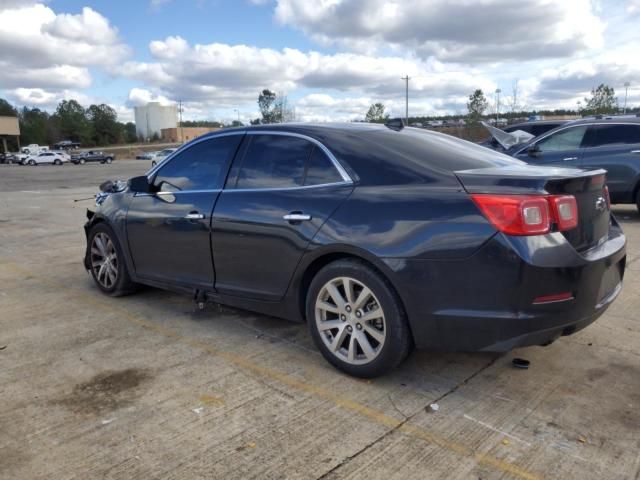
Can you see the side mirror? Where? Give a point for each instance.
(139, 184)
(533, 151)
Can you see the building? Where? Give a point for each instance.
(9, 127)
(183, 134)
(153, 117)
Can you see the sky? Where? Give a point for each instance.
(331, 58)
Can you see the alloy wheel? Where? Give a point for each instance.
(104, 260)
(350, 320)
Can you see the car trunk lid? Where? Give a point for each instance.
(588, 188)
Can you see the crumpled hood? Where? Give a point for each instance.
(508, 140)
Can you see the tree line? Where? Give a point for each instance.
(602, 101)
(95, 125)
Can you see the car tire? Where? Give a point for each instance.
(108, 160)
(81, 161)
(106, 262)
(364, 336)
(32, 163)
(57, 162)
(638, 200)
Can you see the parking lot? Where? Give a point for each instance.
(146, 387)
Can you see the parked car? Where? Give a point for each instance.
(610, 143)
(381, 238)
(34, 149)
(160, 156)
(147, 155)
(55, 158)
(92, 156)
(535, 128)
(66, 145)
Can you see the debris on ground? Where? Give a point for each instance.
(520, 363)
(198, 410)
(434, 407)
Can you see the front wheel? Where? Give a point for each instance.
(106, 262)
(108, 160)
(32, 162)
(82, 160)
(356, 319)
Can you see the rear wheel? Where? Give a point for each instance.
(356, 319)
(57, 161)
(107, 263)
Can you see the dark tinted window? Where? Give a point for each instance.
(274, 161)
(616, 135)
(320, 169)
(201, 166)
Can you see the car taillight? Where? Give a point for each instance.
(515, 214)
(528, 214)
(564, 211)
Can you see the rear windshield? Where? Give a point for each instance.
(385, 157)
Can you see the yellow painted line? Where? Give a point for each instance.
(242, 362)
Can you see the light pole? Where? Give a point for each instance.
(497, 105)
(406, 78)
(626, 91)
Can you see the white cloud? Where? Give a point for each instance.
(42, 49)
(633, 6)
(225, 75)
(141, 96)
(452, 30)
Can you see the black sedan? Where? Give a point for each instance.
(380, 237)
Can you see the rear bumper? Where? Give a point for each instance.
(486, 302)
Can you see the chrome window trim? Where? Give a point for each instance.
(343, 173)
(283, 189)
(574, 126)
(346, 179)
(178, 192)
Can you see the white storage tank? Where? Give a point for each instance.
(153, 117)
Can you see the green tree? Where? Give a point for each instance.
(34, 126)
(6, 109)
(103, 122)
(603, 101)
(71, 121)
(269, 107)
(476, 106)
(376, 114)
(129, 129)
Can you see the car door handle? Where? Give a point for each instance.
(635, 151)
(194, 216)
(568, 159)
(297, 217)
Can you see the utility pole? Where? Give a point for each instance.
(626, 91)
(497, 105)
(180, 112)
(406, 79)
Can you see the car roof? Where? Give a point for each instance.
(631, 119)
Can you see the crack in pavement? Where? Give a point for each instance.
(407, 419)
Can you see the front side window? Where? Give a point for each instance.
(616, 135)
(199, 167)
(568, 139)
(274, 161)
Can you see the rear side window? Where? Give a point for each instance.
(568, 139)
(615, 135)
(320, 169)
(274, 161)
(201, 166)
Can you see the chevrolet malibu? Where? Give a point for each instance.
(381, 238)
